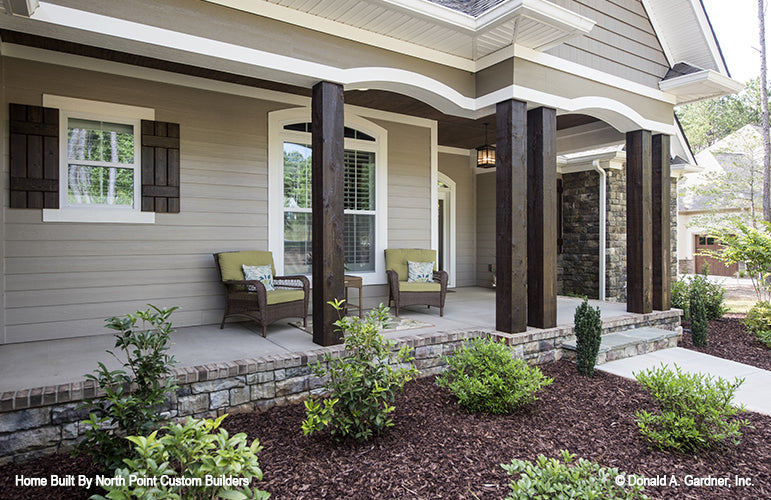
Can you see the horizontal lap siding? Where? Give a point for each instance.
(457, 168)
(485, 218)
(622, 43)
(63, 279)
(409, 186)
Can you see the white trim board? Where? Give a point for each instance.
(427, 89)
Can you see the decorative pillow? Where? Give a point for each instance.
(420, 272)
(259, 273)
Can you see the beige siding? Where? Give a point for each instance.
(485, 227)
(622, 43)
(457, 168)
(63, 279)
(409, 186)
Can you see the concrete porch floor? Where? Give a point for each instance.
(44, 363)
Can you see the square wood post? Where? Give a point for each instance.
(511, 217)
(639, 228)
(327, 166)
(542, 218)
(662, 250)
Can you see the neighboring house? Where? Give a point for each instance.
(143, 135)
(728, 186)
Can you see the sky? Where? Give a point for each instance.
(736, 26)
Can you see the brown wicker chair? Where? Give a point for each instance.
(403, 293)
(249, 299)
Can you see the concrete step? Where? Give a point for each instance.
(628, 343)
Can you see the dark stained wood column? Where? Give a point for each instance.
(327, 203)
(639, 248)
(511, 217)
(542, 218)
(662, 235)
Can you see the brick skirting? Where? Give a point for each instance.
(36, 422)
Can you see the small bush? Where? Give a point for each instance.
(696, 410)
(588, 323)
(699, 323)
(190, 461)
(485, 377)
(712, 296)
(144, 339)
(758, 322)
(550, 478)
(681, 296)
(362, 385)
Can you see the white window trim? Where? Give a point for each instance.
(276, 138)
(103, 111)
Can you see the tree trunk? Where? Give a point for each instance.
(764, 113)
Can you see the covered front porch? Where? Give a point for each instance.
(468, 309)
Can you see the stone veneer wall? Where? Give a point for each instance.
(579, 262)
(45, 420)
(578, 265)
(615, 239)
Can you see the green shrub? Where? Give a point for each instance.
(550, 478)
(189, 462)
(134, 397)
(696, 410)
(485, 377)
(588, 323)
(681, 296)
(758, 322)
(361, 385)
(699, 323)
(712, 295)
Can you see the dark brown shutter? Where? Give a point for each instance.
(160, 167)
(34, 153)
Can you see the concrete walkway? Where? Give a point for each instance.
(754, 394)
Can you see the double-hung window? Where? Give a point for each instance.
(100, 165)
(364, 202)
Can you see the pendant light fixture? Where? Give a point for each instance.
(486, 154)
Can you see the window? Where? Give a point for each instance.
(100, 162)
(358, 204)
(364, 196)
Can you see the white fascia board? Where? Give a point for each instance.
(700, 85)
(427, 89)
(305, 20)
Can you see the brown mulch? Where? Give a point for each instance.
(437, 451)
(729, 339)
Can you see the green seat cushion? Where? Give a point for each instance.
(231, 262)
(410, 286)
(279, 296)
(396, 259)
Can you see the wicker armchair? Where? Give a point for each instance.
(250, 299)
(405, 293)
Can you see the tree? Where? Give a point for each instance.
(732, 193)
(764, 114)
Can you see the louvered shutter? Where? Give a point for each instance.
(160, 167)
(34, 154)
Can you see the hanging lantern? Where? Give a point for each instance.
(486, 154)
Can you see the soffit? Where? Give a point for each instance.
(536, 24)
(685, 33)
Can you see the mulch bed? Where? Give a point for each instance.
(437, 451)
(729, 339)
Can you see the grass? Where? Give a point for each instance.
(739, 305)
